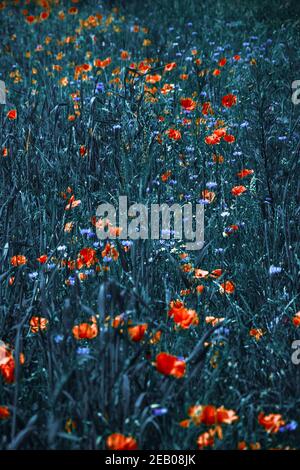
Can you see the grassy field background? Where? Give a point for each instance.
(90, 126)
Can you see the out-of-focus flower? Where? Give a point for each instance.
(244, 173)
(272, 422)
(86, 330)
(118, 441)
(257, 333)
(4, 412)
(18, 260)
(296, 319)
(274, 270)
(38, 324)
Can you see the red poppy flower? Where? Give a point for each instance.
(229, 138)
(86, 257)
(188, 104)
(212, 139)
(229, 100)
(4, 412)
(238, 190)
(18, 260)
(170, 365)
(244, 173)
(86, 330)
(173, 134)
(222, 62)
(12, 114)
(271, 422)
(170, 66)
(137, 332)
(30, 19)
(38, 324)
(42, 259)
(118, 441)
(296, 320)
(227, 287)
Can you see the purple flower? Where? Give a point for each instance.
(159, 411)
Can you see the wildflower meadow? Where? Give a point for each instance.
(115, 335)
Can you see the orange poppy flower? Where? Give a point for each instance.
(86, 330)
(238, 190)
(206, 439)
(213, 320)
(165, 176)
(244, 173)
(102, 63)
(296, 320)
(137, 332)
(167, 364)
(209, 415)
(206, 108)
(271, 422)
(118, 441)
(256, 333)
(4, 152)
(12, 114)
(216, 72)
(173, 134)
(143, 67)
(72, 203)
(38, 324)
(208, 196)
(156, 337)
(222, 62)
(200, 273)
(170, 66)
(124, 55)
(110, 252)
(188, 104)
(212, 139)
(181, 315)
(237, 57)
(153, 78)
(73, 11)
(216, 273)
(218, 159)
(18, 260)
(200, 289)
(4, 412)
(86, 257)
(7, 363)
(227, 287)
